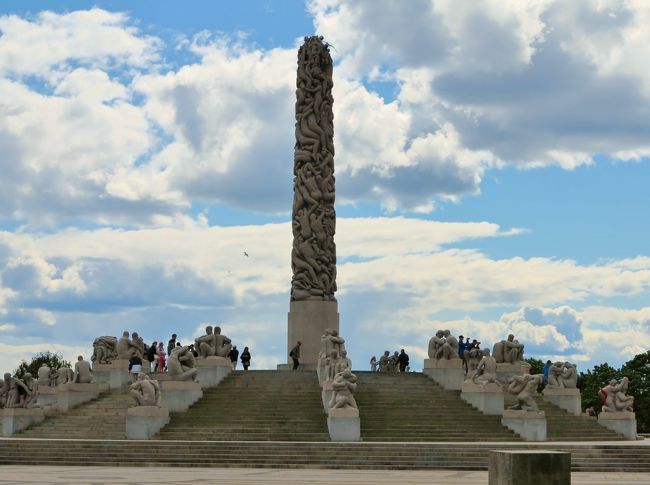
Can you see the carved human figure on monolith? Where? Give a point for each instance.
(313, 257)
(615, 398)
(83, 374)
(104, 350)
(524, 388)
(145, 391)
(344, 385)
(569, 377)
(343, 362)
(331, 340)
(331, 365)
(181, 365)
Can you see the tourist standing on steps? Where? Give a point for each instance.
(245, 358)
(403, 360)
(373, 364)
(162, 358)
(547, 368)
(150, 355)
(295, 355)
(171, 344)
(233, 355)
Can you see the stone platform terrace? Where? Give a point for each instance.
(45, 475)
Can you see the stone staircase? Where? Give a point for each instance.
(411, 407)
(562, 426)
(104, 418)
(255, 406)
(388, 456)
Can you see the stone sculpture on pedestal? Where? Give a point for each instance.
(344, 385)
(32, 395)
(385, 362)
(562, 375)
(127, 348)
(13, 393)
(486, 370)
(524, 388)
(181, 365)
(145, 391)
(104, 350)
(330, 340)
(212, 343)
(615, 398)
(83, 372)
(443, 346)
(44, 376)
(508, 351)
(472, 358)
(65, 374)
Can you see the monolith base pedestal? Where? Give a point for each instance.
(623, 422)
(72, 394)
(17, 419)
(530, 467)
(212, 370)
(344, 424)
(447, 373)
(530, 425)
(487, 398)
(143, 422)
(307, 322)
(178, 396)
(116, 374)
(566, 398)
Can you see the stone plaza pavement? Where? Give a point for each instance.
(45, 475)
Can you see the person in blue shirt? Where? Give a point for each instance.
(547, 368)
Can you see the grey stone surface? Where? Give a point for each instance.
(143, 422)
(307, 322)
(623, 422)
(47, 396)
(212, 370)
(530, 425)
(566, 398)
(529, 467)
(178, 396)
(486, 397)
(344, 424)
(115, 373)
(446, 373)
(17, 419)
(505, 371)
(72, 394)
(313, 257)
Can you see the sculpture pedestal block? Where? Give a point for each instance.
(72, 394)
(511, 370)
(212, 370)
(326, 395)
(307, 322)
(178, 396)
(17, 419)
(565, 398)
(344, 424)
(447, 373)
(530, 467)
(487, 398)
(47, 396)
(623, 422)
(143, 422)
(115, 374)
(530, 425)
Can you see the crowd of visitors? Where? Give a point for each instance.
(156, 356)
(390, 363)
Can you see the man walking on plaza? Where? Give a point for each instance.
(295, 355)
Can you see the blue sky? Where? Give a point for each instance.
(492, 168)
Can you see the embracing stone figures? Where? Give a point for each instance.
(213, 344)
(313, 257)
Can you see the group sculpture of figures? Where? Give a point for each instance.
(615, 398)
(562, 375)
(485, 370)
(181, 364)
(524, 389)
(508, 351)
(332, 357)
(443, 346)
(343, 387)
(50, 377)
(212, 344)
(313, 256)
(145, 391)
(18, 393)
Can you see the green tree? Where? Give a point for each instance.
(638, 371)
(52, 360)
(536, 365)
